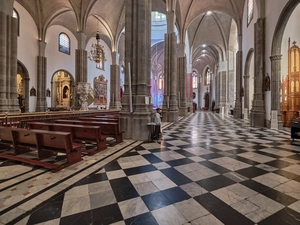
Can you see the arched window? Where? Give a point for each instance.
(195, 79)
(249, 11)
(64, 43)
(16, 15)
(207, 77)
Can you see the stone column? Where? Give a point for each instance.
(80, 64)
(8, 58)
(222, 91)
(181, 84)
(276, 122)
(170, 104)
(41, 103)
(115, 83)
(237, 113)
(135, 116)
(246, 96)
(257, 117)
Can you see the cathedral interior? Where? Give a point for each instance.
(225, 74)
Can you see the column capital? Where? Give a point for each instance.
(42, 48)
(275, 57)
(81, 38)
(115, 58)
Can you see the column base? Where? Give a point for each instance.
(135, 126)
(183, 111)
(246, 113)
(274, 120)
(257, 119)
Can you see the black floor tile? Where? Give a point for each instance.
(215, 167)
(210, 202)
(248, 161)
(131, 153)
(144, 219)
(125, 193)
(215, 183)
(176, 194)
(279, 197)
(258, 187)
(112, 166)
(251, 172)
(139, 169)
(184, 153)
(47, 212)
(106, 215)
(278, 163)
(77, 219)
(211, 156)
(228, 215)
(286, 216)
(120, 182)
(92, 179)
(156, 200)
(175, 176)
(178, 162)
(152, 158)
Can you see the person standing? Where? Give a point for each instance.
(157, 121)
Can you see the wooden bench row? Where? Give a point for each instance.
(109, 129)
(79, 133)
(46, 143)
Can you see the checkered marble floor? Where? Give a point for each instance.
(206, 169)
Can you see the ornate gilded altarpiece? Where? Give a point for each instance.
(100, 88)
(290, 106)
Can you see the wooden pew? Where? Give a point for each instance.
(47, 143)
(100, 119)
(80, 133)
(108, 129)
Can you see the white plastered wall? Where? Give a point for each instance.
(57, 60)
(28, 49)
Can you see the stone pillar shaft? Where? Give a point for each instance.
(170, 104)
(239, 88)
(258, 116)
(8, 60)
(41, 104)
(182, 71)
(134, 118)
(276, 86)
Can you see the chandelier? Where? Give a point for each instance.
(97, 53)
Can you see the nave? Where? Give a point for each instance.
(205, 169)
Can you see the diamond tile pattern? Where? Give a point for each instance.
(205, 169)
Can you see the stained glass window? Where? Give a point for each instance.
(64, 43)
(207, 77)
(195, 79)
(250, 11)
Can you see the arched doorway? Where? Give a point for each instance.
(62, 90)
(22, 87)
